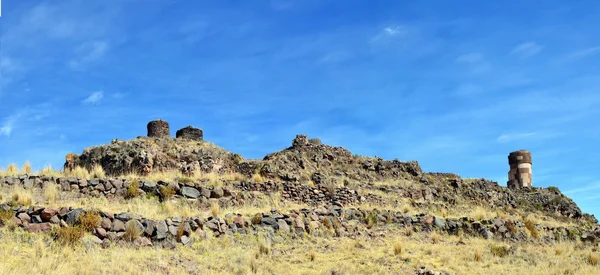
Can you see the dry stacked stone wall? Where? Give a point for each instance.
(191, 133)
(159, 129)
(520, 174)
(342, 222)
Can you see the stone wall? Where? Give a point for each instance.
(520, 173)
(336, 220)
(159, 129)
(234, 195)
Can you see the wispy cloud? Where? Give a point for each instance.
(584, 53)
(94, 98)
(527, 49)
(89, 52)
(512, 137)
(590, 187)
(390, 32)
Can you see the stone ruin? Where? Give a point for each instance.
(520, 174)
(300, 141)
(191, 133)
(159, 129)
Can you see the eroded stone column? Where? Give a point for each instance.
(520, 174)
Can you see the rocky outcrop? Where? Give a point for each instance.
(311, 160)
(145, 155)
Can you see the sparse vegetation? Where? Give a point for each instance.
(90, 220)
(133, 190)
(70, 235)
(132, 231)
(397, 247)
(167, 192)
(26, 169)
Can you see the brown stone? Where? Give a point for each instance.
(38, 227)
(48, 213)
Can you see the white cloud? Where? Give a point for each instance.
(527, 49)
(94, 98)
(389, 33)
(89, 52)
(512, 137)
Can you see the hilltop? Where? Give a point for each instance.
(316, 203)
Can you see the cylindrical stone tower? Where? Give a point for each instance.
(158, 128)
(520, 174)
(190, 132)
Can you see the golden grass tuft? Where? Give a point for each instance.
(478, 256)
(592, 259)
(11, 170)
(397, 247)
(78, 172)
(70, 235)
(21, 197)
(51, 192)
(90, 220)
(257, 178)
(167, 191)
(132, 231)
(264, 248)
(530, 224)
(26, 169)
(133, 190)
(97, 172)
(214, 209)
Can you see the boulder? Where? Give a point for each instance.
(190, 192)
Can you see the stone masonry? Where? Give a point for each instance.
(520, 174)
(191, 133)
(159, 128)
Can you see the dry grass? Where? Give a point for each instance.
(78, 172)
(133, 190)
(51, 192)
(21, 196)
(592, 259)
(10, 171)
(243, 254)
(26, 169)
(257, 178)
(90, 220)
(132, 231)
(68, 235)
(97, 172)
(214, 209)
(397, 247)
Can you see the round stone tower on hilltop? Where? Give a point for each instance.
(520, 174)
(191, 133)
(159, 128)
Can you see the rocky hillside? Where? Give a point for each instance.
(308, 161)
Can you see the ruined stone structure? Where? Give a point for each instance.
(190, 132)
(520, 174)
(300, 141)
(158, 128)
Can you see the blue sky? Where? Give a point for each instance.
(455, 87)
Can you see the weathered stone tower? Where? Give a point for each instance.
(190, 132)
(520, 174)
(159, 128)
